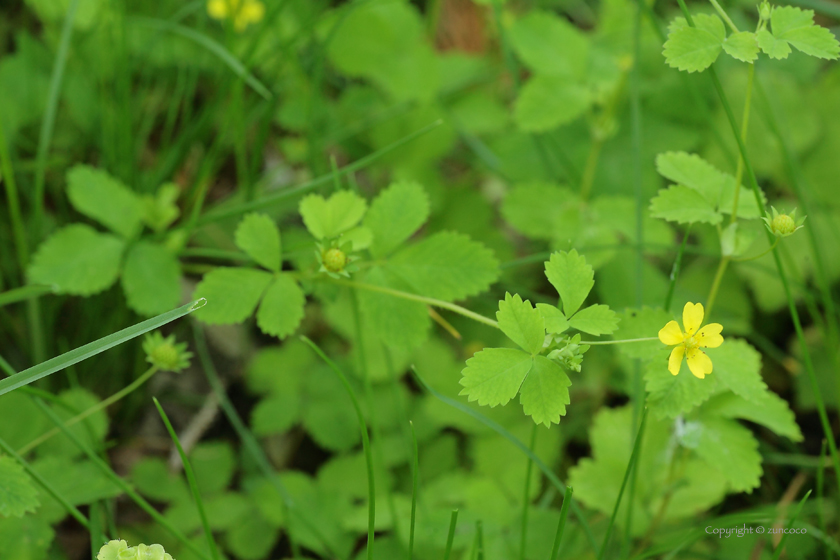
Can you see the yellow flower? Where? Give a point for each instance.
(242, 12)
(688, 344)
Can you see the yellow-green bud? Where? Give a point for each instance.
(783, 224)
(334, 260)
(764, 11)
(166, 354)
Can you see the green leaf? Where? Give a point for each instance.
(796, 26)
(151, 278)
(771, 46)
(160, 210)
(693, 49)
(770, 411)
(91, 431)
(281, 310)
(693, 171)
(550, 45)
(152, 478)
(64, 475)
(673, 395)
(571, 277)
(447, 265)
(259, 237)
(328, 218)
(521, 323)
(534, 208)
(738, 366)
(78, 260)
(253, 539)
(395, 215)
(232, 294)
(742, 46)
(545, 392)
(214, 464)
(25, 538)
(547, 102)
(555, 321)
(493, 376)
(683, 205)
(275, 414)
(596, 320)
(731, 449)
(99, 196)
(17, 494)
(395, 320)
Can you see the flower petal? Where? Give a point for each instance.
(675, 361)
(671, 334)
(692, 317)
(699, 363)
(218, 9)
(709, 336)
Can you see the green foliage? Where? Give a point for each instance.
(795, 26)
(151, 278)
(571, 277)
(99, 196)
(693, 49)
(521, 323)
(683, 205)
(328, 218)
(17, 494)
(395, 215)
(259, 237)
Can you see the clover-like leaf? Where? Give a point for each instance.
(232, 294)
(281, 310)
(596, 320)
(493, 376)
(742, 46)
(572, 277)
(545, 392)
(547, 102)
(796, 26)
(97, 195)
(693, 49)
(683, 205)
(521, 323)
(258, 236)
(151, 278)
(17, 494)
(555, 321)
(395, 215)
(328, 218)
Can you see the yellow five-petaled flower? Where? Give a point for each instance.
(688, 344)
(242, 12)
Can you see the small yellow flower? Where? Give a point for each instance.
(688, 344)
(242, 12)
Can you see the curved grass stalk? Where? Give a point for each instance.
(526, 499)
(450, 539)
(199, 504)
(778, 552)
(24, 293)
(561, 526)
(365, 443)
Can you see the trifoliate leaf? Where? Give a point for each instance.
(395, 320)
(258, 236)
(494, 375)
(447, 265)
(771, 46)
(550, 45)
(693, 171)
(796, 26)
(275, 414)
(77, 260)
(673, 395)
(535, 208)
(770, 411)
(683, 205)
(545, 392)
(151, 278)
(395, 215)
(547, 102)
(281, 310)
(731, 449)
(572, 277)
(99, 196)
(737, 365)
(555, 321)
(327, 218)
(17, 493)
(742, 46)
(693, 49)
(521, 323)
(596, 320)
(232, 294)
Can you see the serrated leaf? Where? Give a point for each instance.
(395, 320)
(493, 376)
(547, 102)
(78, 260)
(738, 366)
(693, 49)
(534, 208)
(673, 395)
(742, 46)
(232, 294)
(683, 205)
(545, 392)
(97, 195)
(555, 321)
(17, 493)
(770, 411)
(281, 310)
(275, 414)
(448, 266)
(395, 215)
(796, 26)
(258, 236)
(327, 218)
(771, 46)
(151, 278)
(731, 449)
(521, 323)
(572, 277)
(693, 171)
(596, 320)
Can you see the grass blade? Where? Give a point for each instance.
(453, 521)
(793, 517)
(415, 468)
(820, 496)
(81, 353)
(564, 513)
(211, 543)
(527, 497)
(365, 443)
(23, 293)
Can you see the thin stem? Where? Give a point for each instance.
(588, 177)
(713, 291)
(675, 271)
(758, 256)
(526, 499)
(561, 526)
(745, 123)
(621, 341)
(820, 495)
(479, 540)
(365, 443)
(24, 293)
(450, 539)
(119, 395)
(724, 15)
(778, 552)
(199, 504)
(415, 469)
(634, 457)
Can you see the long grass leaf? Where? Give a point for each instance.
(796, 512)
(561, 526)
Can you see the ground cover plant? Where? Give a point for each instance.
(382, 279)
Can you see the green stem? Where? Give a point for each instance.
(675, 271)
(820, 496)
(199, 504)
(526, 499)
(415, 470)
(724, 15)
(620, 341)
(590, 168)
(479, 540)
(778, 552)
(450, 538)
(745, 123)
(758, 256)
(561, 526)
(365, 443)
(24, 293)
(713, 291)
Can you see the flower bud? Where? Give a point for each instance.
(334, 260)
(165, 353)
(783, 225)
(764, 11)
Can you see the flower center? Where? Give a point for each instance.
(691, 342)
